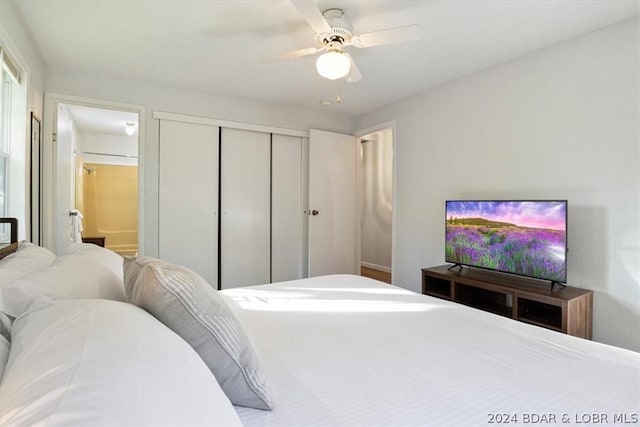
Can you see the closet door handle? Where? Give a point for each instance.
(314, 212)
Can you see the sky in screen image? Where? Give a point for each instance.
(541, 214)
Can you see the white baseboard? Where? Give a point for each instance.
(375, 266)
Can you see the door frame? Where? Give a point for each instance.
(359, 134)
(50, 161)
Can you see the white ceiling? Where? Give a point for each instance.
(99, 120)
(216, 46)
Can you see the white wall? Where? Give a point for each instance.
(163, 98)
(14, 36)
(558, 123)
(377, 199)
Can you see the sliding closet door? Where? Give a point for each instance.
(286, 208)
(188, 197)
(245, 203)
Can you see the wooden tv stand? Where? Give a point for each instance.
(567, 310)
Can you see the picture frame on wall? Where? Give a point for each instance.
(35, 179)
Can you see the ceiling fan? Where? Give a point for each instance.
(334, 32)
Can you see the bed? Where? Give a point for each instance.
(9, 247)
(336, 350)
(347, 350)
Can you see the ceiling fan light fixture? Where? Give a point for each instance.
(333, 65)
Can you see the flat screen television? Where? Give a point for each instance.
(523, 237)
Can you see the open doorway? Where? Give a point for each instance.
(106, 177)
(96, 177)
(376, 173)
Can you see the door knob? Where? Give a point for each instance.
(314, 212)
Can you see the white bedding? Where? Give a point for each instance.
(94, 362)
(346, 350)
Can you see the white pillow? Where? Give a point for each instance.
(104, 256)
(68, 277)
(27, 259)
(98, 362)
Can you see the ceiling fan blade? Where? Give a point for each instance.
(312, 15)
(392, 35)
(294, 54)
(354, 73)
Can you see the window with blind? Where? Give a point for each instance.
(9, 78)
(5, 116)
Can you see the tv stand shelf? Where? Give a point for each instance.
(567, 310)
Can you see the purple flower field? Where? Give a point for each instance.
(533, 252)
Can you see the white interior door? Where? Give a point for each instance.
(64, 194)
(188, 197)
(332, 203)
(245, 199)
(286, 208)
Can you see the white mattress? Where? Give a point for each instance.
(347, 350)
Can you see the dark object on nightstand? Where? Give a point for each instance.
(95, 240)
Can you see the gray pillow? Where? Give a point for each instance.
(189, 306)
(5, 326)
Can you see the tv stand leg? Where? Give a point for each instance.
(454, 266)
(554, 283)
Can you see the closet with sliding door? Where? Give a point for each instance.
(231, 201)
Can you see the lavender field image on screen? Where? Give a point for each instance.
(526, 238)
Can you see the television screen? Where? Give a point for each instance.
(528, 238)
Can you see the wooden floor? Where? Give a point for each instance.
(375, 274)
